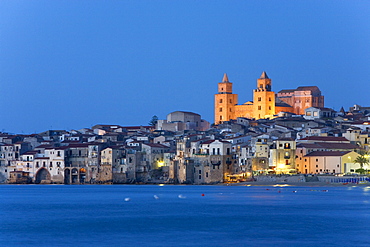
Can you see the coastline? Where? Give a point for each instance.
(297, 184)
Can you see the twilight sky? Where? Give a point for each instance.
(73, 64)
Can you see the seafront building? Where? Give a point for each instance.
(289, 132)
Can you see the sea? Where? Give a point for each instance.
(183, 215)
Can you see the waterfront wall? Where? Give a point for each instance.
(308, 179)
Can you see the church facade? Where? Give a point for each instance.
(265, 104)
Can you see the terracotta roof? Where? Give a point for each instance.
(307, 88)
(287, 91)
(327, 153)
(208, 142)
(282, 104)
(78, 145)
(308, 145)
(30, 153)
(285, 139)
(329, 145)
(44, 146)
(155, 145)
(57, 148)
(225, 79)
(264, 75)
(323, 138)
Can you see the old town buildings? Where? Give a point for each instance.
(290, 132)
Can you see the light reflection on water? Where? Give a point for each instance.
(42, 215)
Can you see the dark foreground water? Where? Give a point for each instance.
(59, 215)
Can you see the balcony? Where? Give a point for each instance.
(201, 154)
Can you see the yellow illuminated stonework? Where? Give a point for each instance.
(265, 103)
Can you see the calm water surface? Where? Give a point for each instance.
(60, 215)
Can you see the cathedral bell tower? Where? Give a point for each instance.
(263, 98)
(225, 101)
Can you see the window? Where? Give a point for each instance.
(269, 98)
(206, 174)
(200, 171)
(220, 109)
(287, 155)
(317, 160)
(259, 107)
(270, 108)
(200, 176)
(58, 154)
(231, 101)
(220, 100)
(259, 99)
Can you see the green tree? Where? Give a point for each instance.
(153, 121)
(362, 159)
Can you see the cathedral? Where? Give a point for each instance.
(265, 104)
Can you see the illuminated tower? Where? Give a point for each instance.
(263, 98)
(225, 101)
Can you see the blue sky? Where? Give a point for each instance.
(74, 64)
